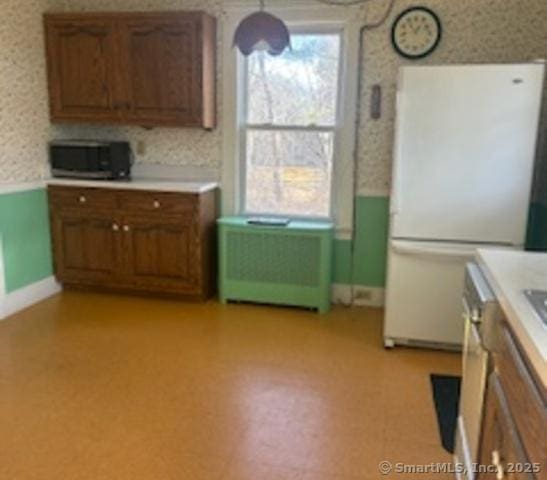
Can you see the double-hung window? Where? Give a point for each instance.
(289, 125)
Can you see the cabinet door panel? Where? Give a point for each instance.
(86, 247)
(161, 253)
(501, 447)
(162, 63)
(81, 63)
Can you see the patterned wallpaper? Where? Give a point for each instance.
(24, 124)
(474, 31)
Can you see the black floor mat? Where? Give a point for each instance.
(446, 394)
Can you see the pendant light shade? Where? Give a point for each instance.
(262, 31)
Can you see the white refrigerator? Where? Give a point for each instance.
(464, 152)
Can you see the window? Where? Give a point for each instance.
(289, 125)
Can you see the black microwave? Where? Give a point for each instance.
(90, 160)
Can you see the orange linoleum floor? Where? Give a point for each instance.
(100, 387)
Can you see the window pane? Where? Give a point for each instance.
(289, 172)
(298, 87)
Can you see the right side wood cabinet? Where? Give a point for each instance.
(148, 69)
(514, 430)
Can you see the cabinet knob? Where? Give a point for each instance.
(115, 227)
(82, 199)
(126, 228)
(496, 461)
(157, 204)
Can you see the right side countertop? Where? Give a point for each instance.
(510, 273)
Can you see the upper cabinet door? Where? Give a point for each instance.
(149, 69)
(163, 68)
(81, 68)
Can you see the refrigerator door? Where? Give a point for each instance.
(464, 152)
(424, 293)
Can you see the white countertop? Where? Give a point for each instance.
(182, 186)
(509, 274)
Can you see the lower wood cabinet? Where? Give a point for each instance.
(86, 246)
(161, 253)
(502, 450)
(514, 429)
(147, 242)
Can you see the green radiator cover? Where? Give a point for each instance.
(277, 265)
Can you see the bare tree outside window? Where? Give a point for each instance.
(290, 126)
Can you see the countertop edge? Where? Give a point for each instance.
(513, 318)
(144, 184)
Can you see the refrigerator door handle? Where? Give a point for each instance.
(395, 202)
(404, 248)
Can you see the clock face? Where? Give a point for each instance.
(416, 32)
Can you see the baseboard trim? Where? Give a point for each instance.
(357, 295)
(22, 298)
(341, 294)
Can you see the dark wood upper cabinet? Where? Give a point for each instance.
(148, 69)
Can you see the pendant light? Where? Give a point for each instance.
(262, 31)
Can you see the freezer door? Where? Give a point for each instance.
(464, 152)
(424, 292)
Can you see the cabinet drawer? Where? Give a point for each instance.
(161, 202)
(525, 401)
(82, 198)
(501, 447)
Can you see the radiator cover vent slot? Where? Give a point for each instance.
(281, 259)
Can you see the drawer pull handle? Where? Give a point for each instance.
(496, 461)
(156, 204)
(126, 228)
(82, 199)
(115, 227)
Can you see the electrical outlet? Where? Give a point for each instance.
(141, 147)
(362, 294)
(368, 296)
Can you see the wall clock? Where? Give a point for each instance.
(416, 32)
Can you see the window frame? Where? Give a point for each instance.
(245, 127)
(297, 14)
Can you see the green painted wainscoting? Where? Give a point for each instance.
(26, 243)
(368, 265)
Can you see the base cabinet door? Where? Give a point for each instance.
(161, 254)
(87, 247)
(502, 453)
